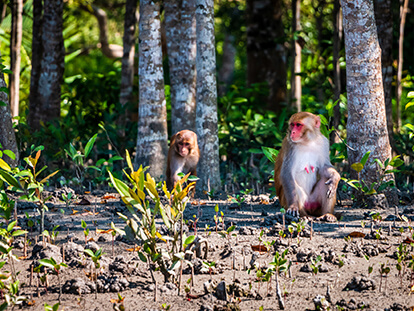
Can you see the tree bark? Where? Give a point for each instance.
(403, 13)
(367, 125)
(152, 142)
(296, 80)
(15, 44)
(37, 52)
(266, 53)
(383, 18)
(127, 71)
(45, 106)
(206, 121)
(180, 27)
(7, 135)
(337, 39)
(225, 75)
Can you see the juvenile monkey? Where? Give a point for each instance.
(305, 180)
(183, 156)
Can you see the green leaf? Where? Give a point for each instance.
(89, 145)
(9, 179)
(119, 185)
(239, 100)
(11, 226)
(189, 240)
(142, 257)
(365, 158)
(83, 224)
(270, 153)
(19, 232)
(410, 94)
(89, 252)
(4, 165)
(357, 166)
(10, 153)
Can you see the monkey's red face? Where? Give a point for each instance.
(296, 131)
(184, 148)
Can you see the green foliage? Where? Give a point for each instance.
(384, 169)
(143, 227)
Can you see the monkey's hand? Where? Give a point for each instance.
(293, 210)
(332, 183)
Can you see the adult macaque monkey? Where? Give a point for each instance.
(305, 180)
(183, 156)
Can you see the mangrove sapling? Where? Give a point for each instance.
(85, 230)
(95, 258)
(402, 255)
(10, 292)
(208, 266)
(216, 217)
(384, 270)
(68, 199)
(79, 158)
(280, 265)
(7, 236)
(32, 188)
(55, 307)
(118, 304)
(315, 265)
(55, 268)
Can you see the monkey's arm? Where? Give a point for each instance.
(332, 178)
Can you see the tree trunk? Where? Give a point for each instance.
(266, 54)
(403, 13)
(206, 121)
(337, 39)
(46, 101)
(3, 7)
(367, 125)
(180, 26)
(225, 75)
(152, 142)
(37, 52)
(296, 83)
(383, 18)
(127, 72)
(15, 44)
(7, 135)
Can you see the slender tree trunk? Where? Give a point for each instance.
(206, 122)
(37, 52)
(266, 53)
(367, 125)
(225, 75)
(3, 7)
(15, 44)
(403, 13)
(152, 123)
(383, 18)
(127, 72)
(337, 39)
(296, 81)
(7, 135)
(180, 26)
(46, 100)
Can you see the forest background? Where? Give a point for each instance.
(272, 58)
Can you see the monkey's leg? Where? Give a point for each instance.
(324, 193)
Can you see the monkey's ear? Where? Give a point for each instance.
(317, 122)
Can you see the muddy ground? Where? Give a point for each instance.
(342, 276)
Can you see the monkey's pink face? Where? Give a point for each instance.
(296, 131)
(184, 148)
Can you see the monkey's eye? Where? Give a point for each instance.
(297, 125)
